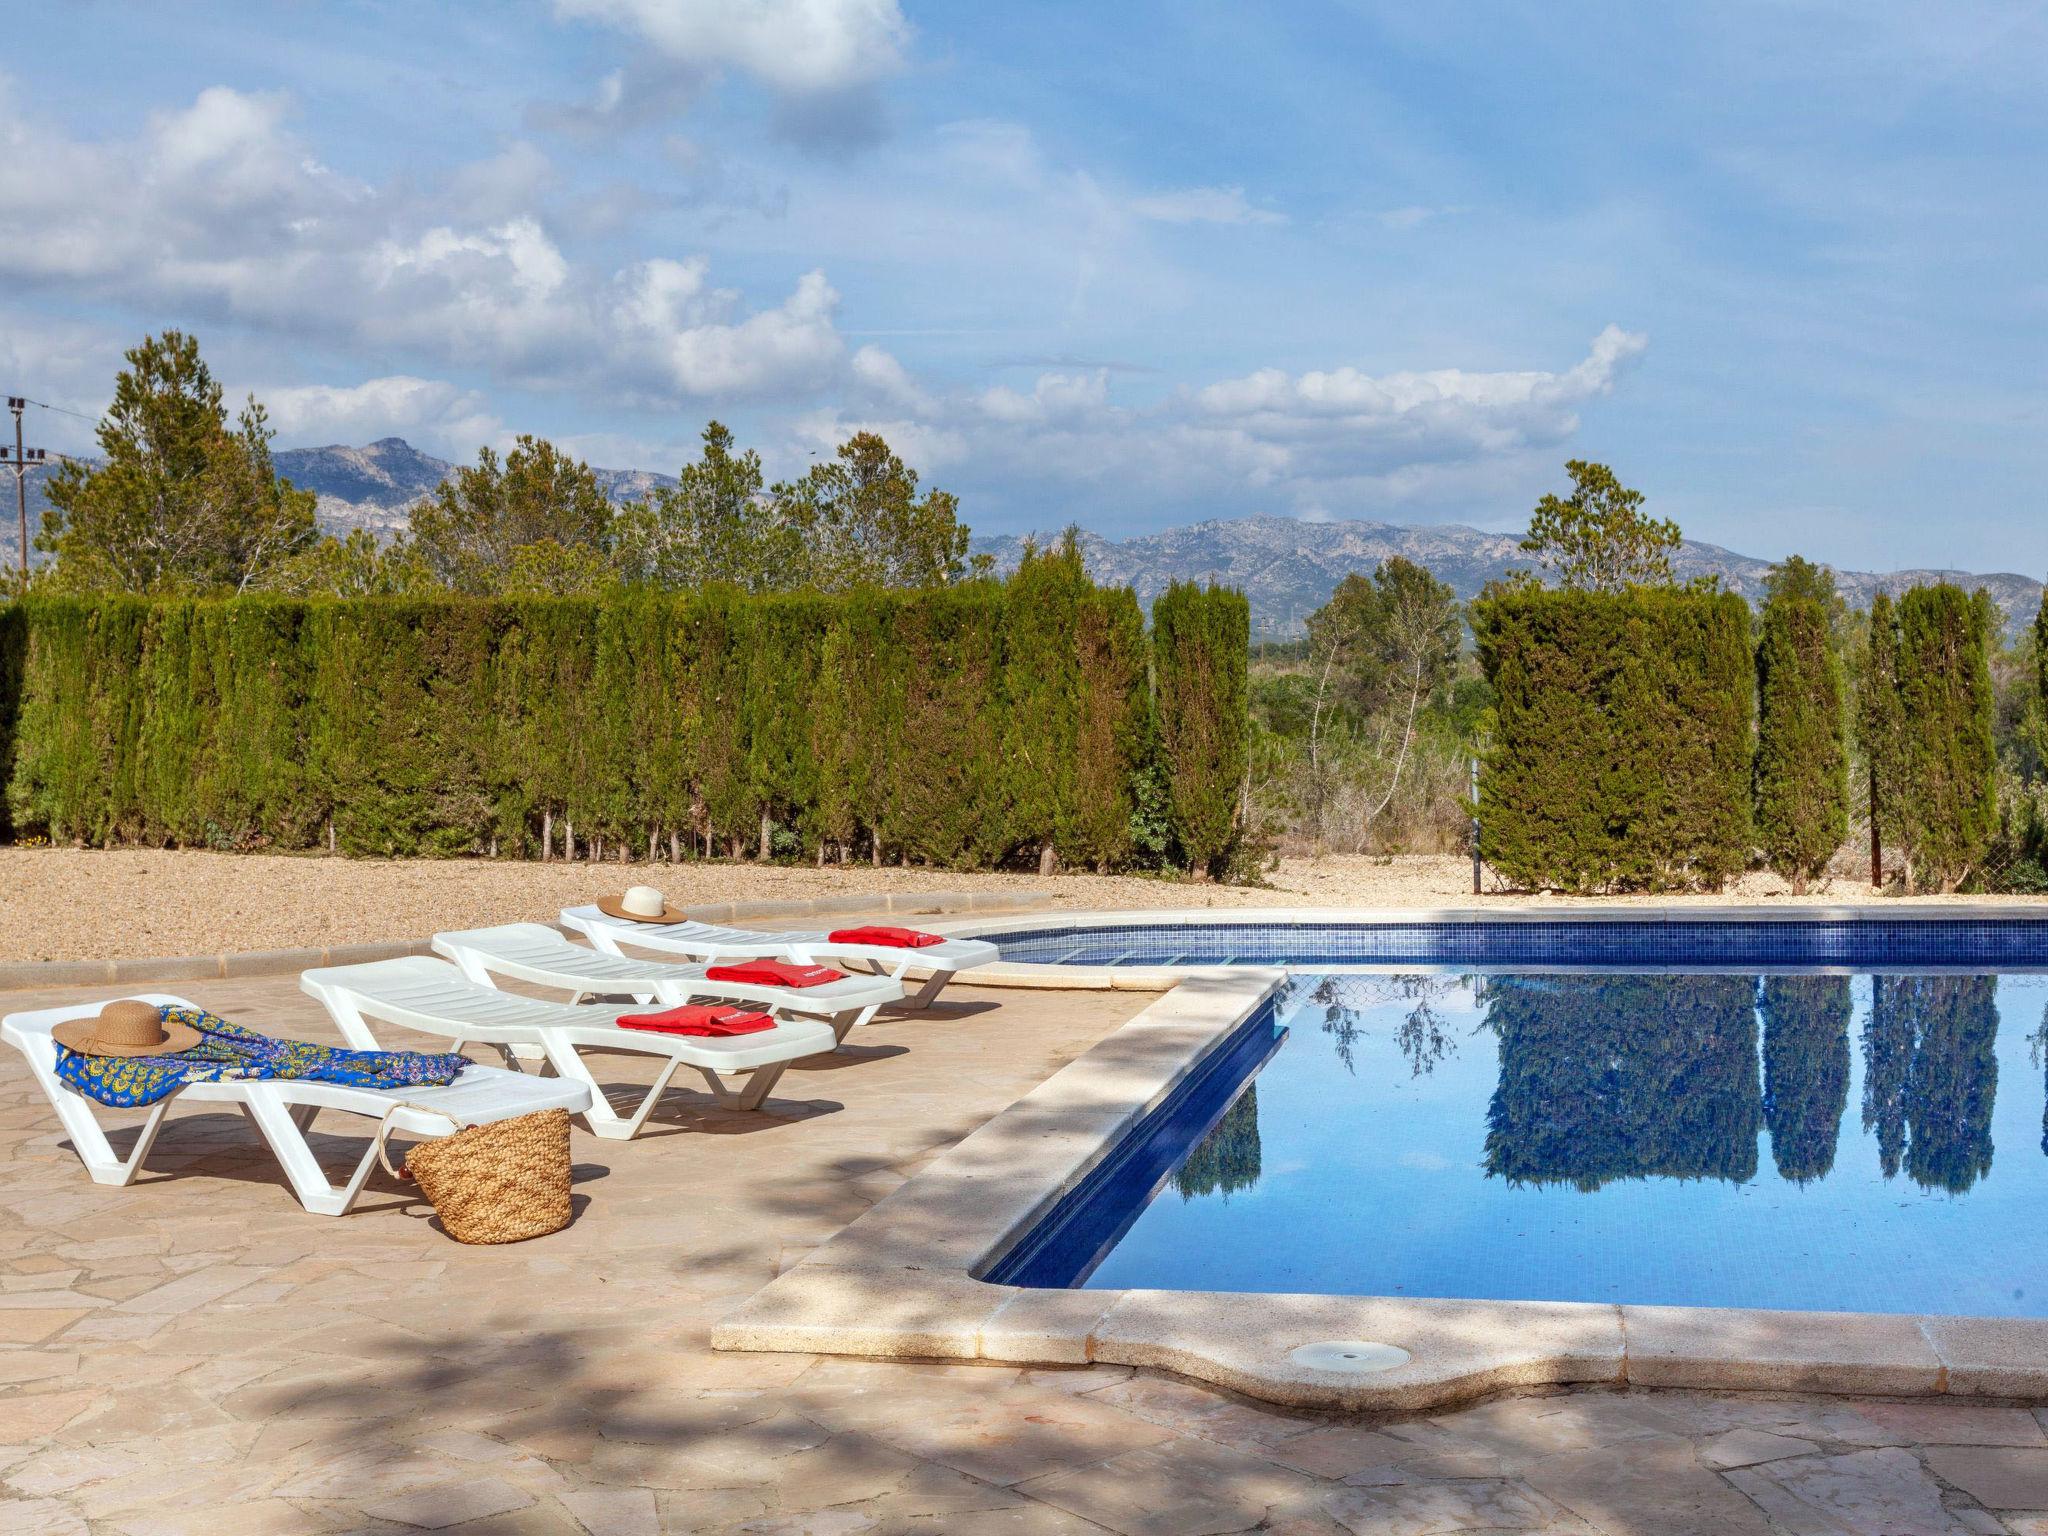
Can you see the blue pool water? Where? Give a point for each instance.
(1858, 1142)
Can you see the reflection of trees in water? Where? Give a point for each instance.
(1614, 1077)
(2037, 1045)
(1227, 1160)
(1930, 1076)
(1888, 1035)
(1422, 1036)
(1806, 1070)
(1953, 1081)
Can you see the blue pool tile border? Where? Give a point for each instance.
(1862, 942)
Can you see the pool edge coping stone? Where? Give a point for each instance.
(899, 1282)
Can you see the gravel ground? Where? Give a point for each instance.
(81, 904)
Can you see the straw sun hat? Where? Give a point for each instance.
(129, 1027)
(641, 904)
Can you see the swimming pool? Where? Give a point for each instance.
(1813, 1116)
(1695, 939)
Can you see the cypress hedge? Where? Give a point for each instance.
(1948, 803)
(971, 726)
(1621, 755)
(1802, 759)
(1201, 638)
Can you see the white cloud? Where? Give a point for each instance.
(216, 210)
(1203, 205)
(427, 412)
(798, 47)
(1326, 444)
(1055, 397)
(1345, 415)
(879, 375)
(793, 345)
(925, 446)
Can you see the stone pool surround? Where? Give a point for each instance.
(902, 1280)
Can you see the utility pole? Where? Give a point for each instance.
(24, 460)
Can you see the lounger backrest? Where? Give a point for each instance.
(690, 932)
(538, 953)
(431, 994)
(31, 1030)
(515, 939)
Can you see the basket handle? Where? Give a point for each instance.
(384, 1131)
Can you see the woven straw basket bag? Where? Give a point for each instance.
(497, 1183)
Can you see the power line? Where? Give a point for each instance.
(62, 410)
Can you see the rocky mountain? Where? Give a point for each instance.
(377, 486)
(374, 487)
(1288, 568)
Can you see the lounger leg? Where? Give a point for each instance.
(349, 1020)
(602, 940)
(88, 1139)
(928, 994)
(277, 1123)
(843, 1024)
(602, 1119)
(752, 1090)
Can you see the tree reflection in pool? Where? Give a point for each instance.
(1655, 1138)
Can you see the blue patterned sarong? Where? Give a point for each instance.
(229, 1052)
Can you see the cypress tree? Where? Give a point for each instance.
(1201, 649)
(396, 726)
(1112, 728)
(13, 664)
(1802, 765)
(1950, 808)
(781, 681)
(1879, 730)
(1621, 752)
(2041, 658)
(1042, 700)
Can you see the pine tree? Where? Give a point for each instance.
(1802, 766)
(1597, 539)
(182, 499)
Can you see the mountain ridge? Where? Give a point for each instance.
(1287, 568)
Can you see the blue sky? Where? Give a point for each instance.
(1129, 265)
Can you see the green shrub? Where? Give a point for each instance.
(1621, 751)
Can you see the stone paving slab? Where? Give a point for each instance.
(195, 1355)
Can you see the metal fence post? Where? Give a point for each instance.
(1475, 826)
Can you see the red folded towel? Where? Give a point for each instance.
(895, 938)
(775, 973)
(696, 1019)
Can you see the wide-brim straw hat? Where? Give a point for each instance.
(641, 904)
(129, 1027)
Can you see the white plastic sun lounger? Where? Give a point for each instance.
(534, 952)
(433, 996)
(937, 963)
(282, 1110)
